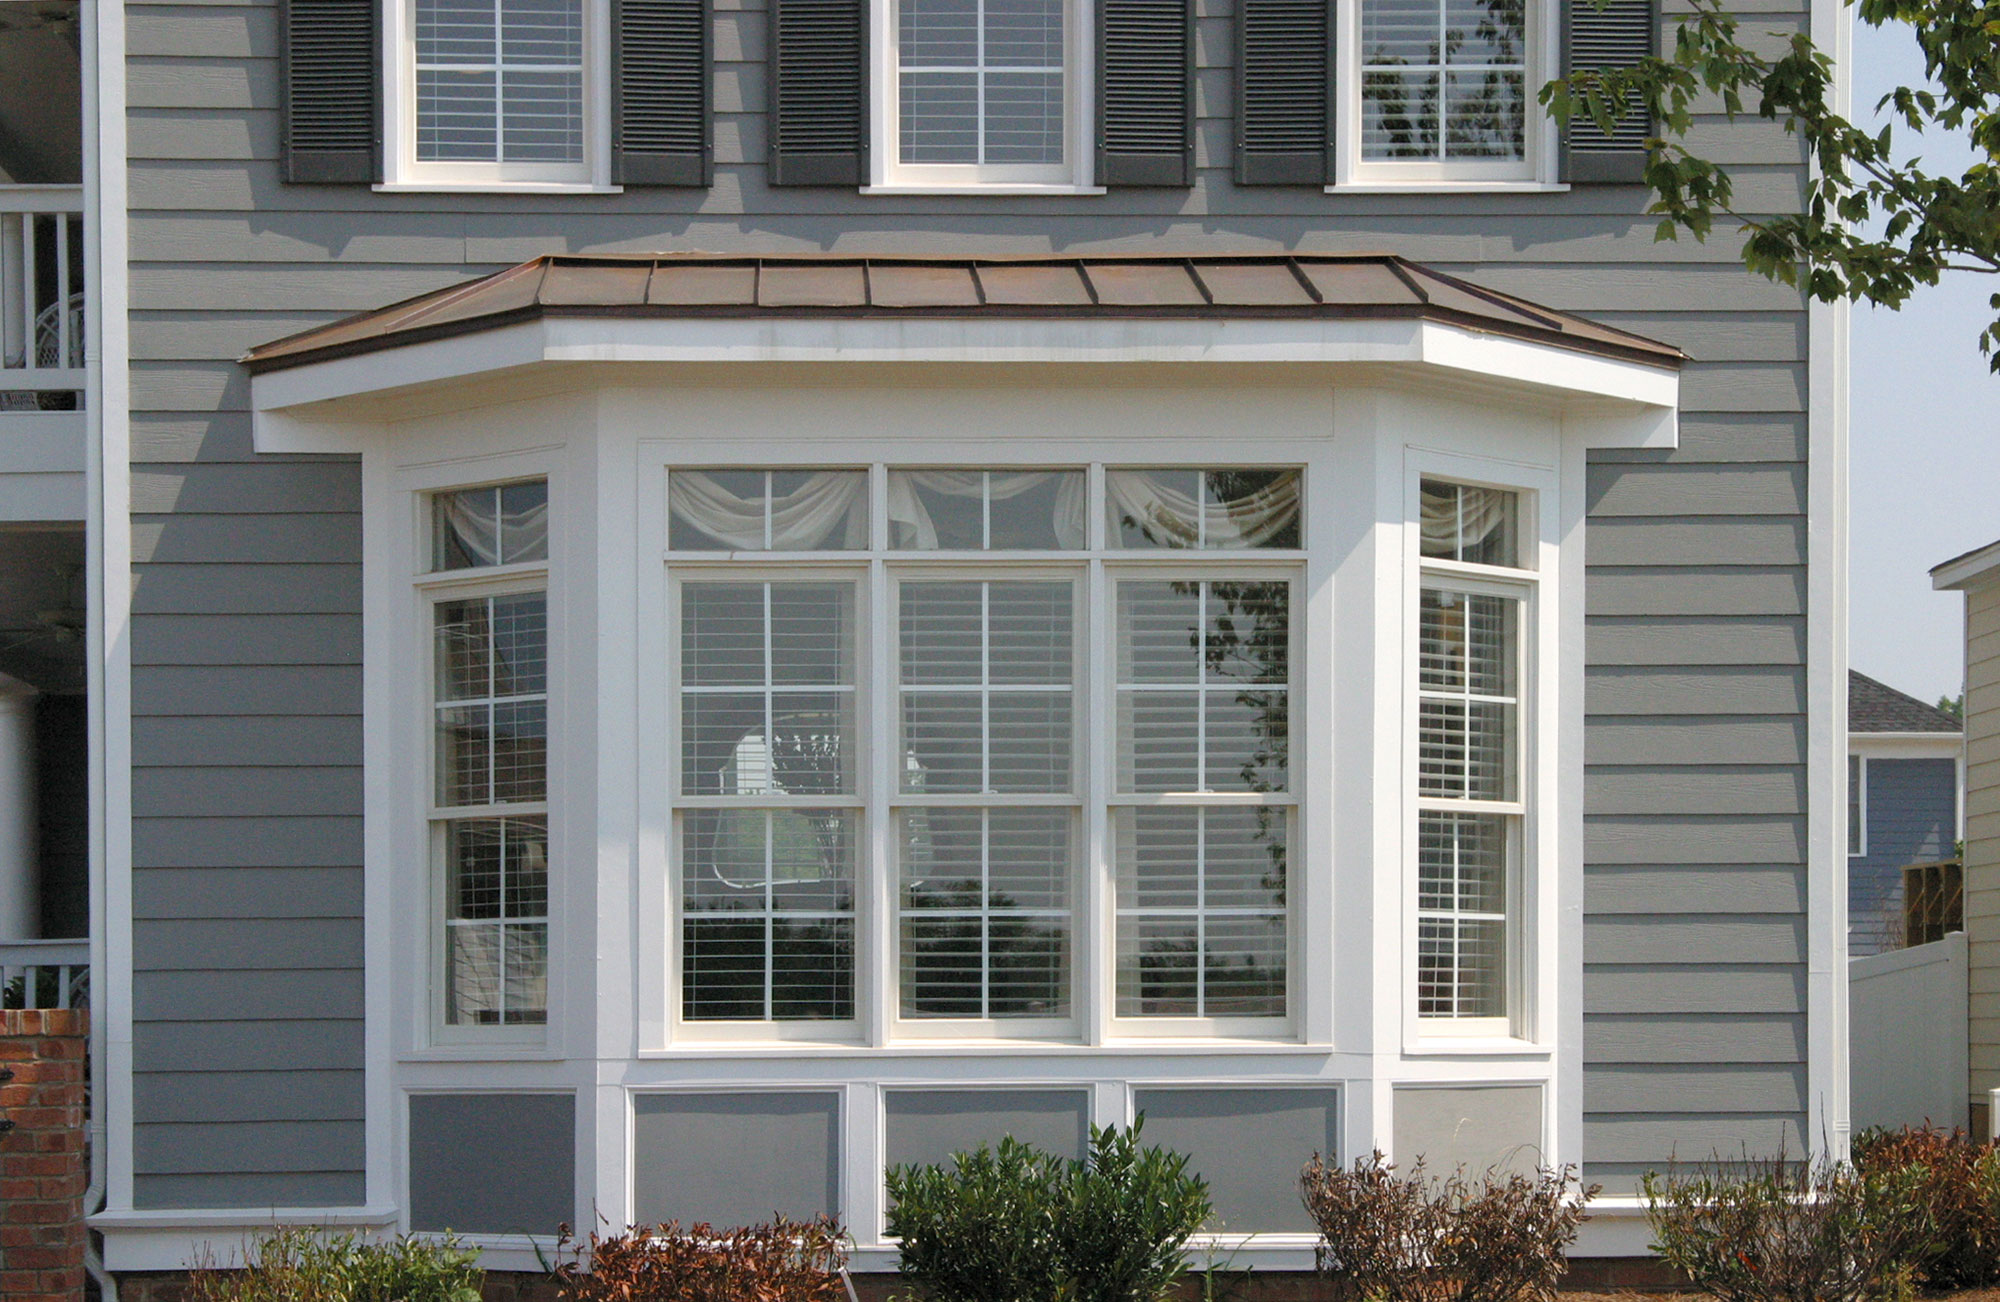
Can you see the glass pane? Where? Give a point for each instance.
(464, 640)
(465, 529)
(1024, 33)
(812, 634)
(943, 965)
(1157, 857)
(542, 31)
(722, 634)
(1467, 642)
(943, 632)
(1399, 115)
(725, 745)
(811, 741)
(1029, 856)
(1037, 510)
(1462, 863)
(1024, 117)
(520, 751)
(1157, 632)
(543, 116)
(496, 896)
(937, 510)
(454, 31)
(756, 510)
(464, 755)
(940, 117)
(1029, 627)
(1243, 966)
(938, 33)
(1466, 750)
(943, 742)
(1462, 869)
(1153, 508)
(1030, 961)
(1246, 739)
(1461, 968)
(1159, 741)
(473, 974)
(520, 644)
(1201, 911)
(1484, 32)
(1244, 857)
(1158, 967)
(457, 116)
(524, 521)
(473, 869)
(526, 981)
(1029, 742)
(985, 898)
(812, 969)
(1484, 114)
(943, 858)
(1400, 32)
(1250, 508)
(1465, 523)
(1248, 632)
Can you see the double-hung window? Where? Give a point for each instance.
(1440, 90)
(489, 805)
(980, 92)
(953, 709)
(496, 92)
(1472, 605)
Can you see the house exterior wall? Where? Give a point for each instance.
(246, 629)
(1912, 817)
(1982, 828)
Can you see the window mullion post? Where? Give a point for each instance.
(1095, 929)
(876, 977)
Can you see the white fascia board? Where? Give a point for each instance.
(1906, 745)
(1969, 570)
(177, 1240)
(1560, 372)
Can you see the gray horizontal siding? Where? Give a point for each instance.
(246, 635)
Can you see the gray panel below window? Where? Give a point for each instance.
(1248, 1144)
(1475, 1127)
(926, 1126)
(735, 1159)
(492, 1163)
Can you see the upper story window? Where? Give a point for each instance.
(980, 92)
(496, 91)
(1443, 90)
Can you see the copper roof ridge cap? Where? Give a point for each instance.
(438, 298)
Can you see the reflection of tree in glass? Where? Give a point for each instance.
(1250, 641)
(1235, 985)
(812, 965)
(1023, 957)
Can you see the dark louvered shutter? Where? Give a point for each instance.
(1145, 92)
(818, 114)
(1618, 35)
(1283, 94)
(660, 129)
(333, 91)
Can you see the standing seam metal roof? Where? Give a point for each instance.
(690, 285)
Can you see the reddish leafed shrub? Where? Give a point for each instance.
(779, 1261)
(1957, 1193)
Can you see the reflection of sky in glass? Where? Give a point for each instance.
(1443, 79)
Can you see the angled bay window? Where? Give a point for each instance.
(489, 803)
(1469, 758)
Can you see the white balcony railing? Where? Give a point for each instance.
(41, 293)
(44, 973)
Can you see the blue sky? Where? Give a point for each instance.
(1925, 438)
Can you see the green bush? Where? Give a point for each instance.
(1390, 1238)
(1014, 1224)
(301, 1264)
(1773, 1230)
(1957, 1196)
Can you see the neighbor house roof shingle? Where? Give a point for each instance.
(1877, 707)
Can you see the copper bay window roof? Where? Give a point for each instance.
(1361, 286)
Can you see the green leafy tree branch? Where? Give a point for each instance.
(1869, 226)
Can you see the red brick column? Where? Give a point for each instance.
(44, 1167)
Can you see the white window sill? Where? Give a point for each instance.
(1450, 187)
(494, 187)
(1470, 1046)
(995, 188)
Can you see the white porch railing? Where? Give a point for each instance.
(44, 973)
(42, 293)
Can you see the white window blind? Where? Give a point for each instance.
(981, 82)
(499, 81)
(1443, 80)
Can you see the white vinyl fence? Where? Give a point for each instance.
(1906, 1016)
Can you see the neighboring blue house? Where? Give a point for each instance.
(1903, 778)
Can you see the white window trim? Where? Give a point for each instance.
(403, 172)
(889, 175)
(1535, 815)
(1534, 173)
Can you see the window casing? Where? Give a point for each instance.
(488, 822)
(1441, 91)
(979, 93)
(998, 774)
(1474, 606)
(497, 93)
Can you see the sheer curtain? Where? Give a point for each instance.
(494, 526)
(804, 519)
(1170, 517)
(910, 525)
